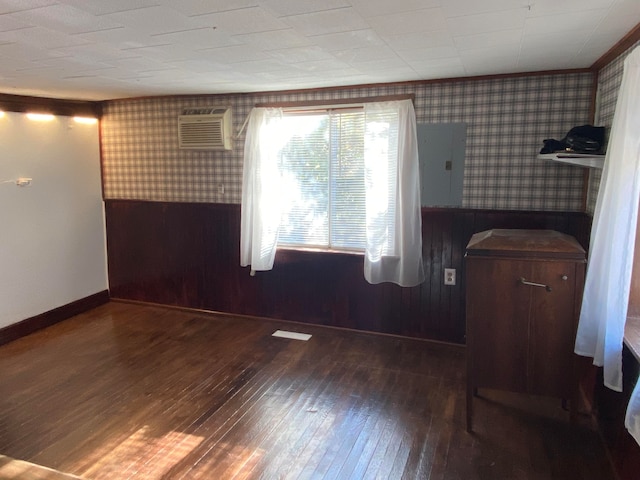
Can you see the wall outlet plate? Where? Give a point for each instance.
(449, 276)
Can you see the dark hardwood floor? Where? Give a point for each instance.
(131, 391)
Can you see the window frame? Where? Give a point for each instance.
(321, 106)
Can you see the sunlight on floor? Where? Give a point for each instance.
(145, 455)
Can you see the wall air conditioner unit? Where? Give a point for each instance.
(205, 129)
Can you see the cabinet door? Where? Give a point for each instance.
(497, 323)
(552, 329)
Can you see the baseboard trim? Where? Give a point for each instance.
(46, 319)
(215, 313)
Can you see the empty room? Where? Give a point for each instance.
(340, 239)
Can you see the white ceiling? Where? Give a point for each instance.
(105, 49)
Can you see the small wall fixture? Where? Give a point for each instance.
(40, 117)
(23, 182)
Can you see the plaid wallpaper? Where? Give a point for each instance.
(609, 80)
(507, 119)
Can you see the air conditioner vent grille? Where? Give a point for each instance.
(208, 129)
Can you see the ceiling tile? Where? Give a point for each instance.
(203, 7)
(64, 19)
(155, 20)
(89, 53)
(356, 56)
(24, 51)
(12, 64)
(535, 42)
(346, 40)
(111, 6)
(274, 40)
(374, 8)
(460, 8)
(487, 22)
(551, 7)
(8, 6)
(199, 38)
(488, 39)
(8, 23)
(285, 8)
(233, 54)
(123, 74)
(579, 20)
(416, 54)
(300, 54)
(428, 72)
(166, 53)
(448, 64)
(203, 66)
(38, 36)
(388, 69)
(428, 20)
(324, 66)
(259, 66)
(331, 21)
(123, 38)
(404, 41)
(244, 20)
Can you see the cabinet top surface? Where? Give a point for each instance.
(537, 243)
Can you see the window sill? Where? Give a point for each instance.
(290, 248)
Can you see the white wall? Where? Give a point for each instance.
(52, 234)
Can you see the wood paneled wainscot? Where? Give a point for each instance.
(188, 255)
(524, 289)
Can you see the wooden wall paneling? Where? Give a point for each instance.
(187, 254)
(435, 257)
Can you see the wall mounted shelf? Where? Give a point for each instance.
(578, 159)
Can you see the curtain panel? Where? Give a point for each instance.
(606, 294)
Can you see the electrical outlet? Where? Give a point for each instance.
(449, 276)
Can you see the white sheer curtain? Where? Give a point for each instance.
(606, 294)
(391, 161)
(260, 217)
(393, 188)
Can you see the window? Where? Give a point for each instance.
(322, 167)
(334, 178)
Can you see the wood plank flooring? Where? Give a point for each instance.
(131, 391)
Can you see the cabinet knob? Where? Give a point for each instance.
(564, 277)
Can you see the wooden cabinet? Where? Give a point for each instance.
(523, 293)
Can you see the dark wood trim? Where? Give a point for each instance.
(46, 319)
(623, 44)
(101, 150)
(55, 106)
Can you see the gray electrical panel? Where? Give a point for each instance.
(441, 148)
